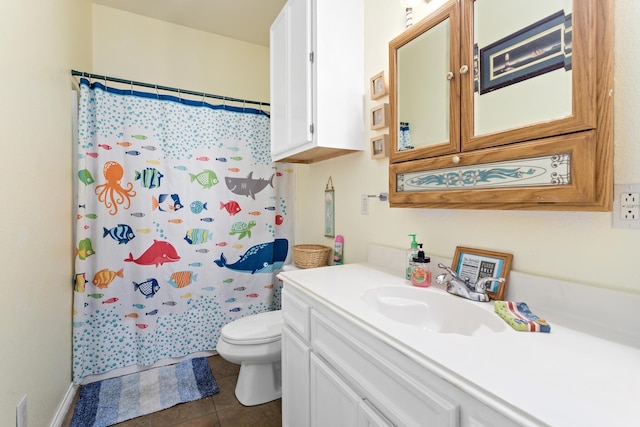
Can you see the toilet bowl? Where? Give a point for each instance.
(253, 342)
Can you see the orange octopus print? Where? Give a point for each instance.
(112, 194)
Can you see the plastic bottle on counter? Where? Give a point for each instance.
(338, 249)
(412, 252)
(421, 270)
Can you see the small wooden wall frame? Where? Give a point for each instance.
(380, 146)
(478, 263)
(378, 86)
(380, 116)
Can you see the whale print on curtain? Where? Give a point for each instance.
(182, 222)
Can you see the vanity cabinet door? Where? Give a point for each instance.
(370, 417)
(333, 402)
(295, 380)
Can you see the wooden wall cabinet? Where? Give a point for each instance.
(510, 110)
(317, 81)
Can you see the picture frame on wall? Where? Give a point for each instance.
(476, 264)
(378, 86)
(329, 209)
(380, 116)
(380, 146)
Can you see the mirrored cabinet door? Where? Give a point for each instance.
(533, 70)
(425, 87)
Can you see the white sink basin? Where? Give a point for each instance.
(432, 311)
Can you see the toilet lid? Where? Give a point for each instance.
(255, 329)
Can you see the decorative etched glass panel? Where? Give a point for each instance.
(546, 171)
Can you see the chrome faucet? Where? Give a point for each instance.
(461, 287)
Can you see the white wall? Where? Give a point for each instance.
(134, 47)
(578, 246)
(40, 42)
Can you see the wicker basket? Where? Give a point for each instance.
(310, 256)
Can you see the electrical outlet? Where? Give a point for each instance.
(21, 412)
(630, 213)
(364, 204)
(626, 206)
(630, 199)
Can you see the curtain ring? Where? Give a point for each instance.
(105, 83)
(203, 95)
(157, 93)
(131, 82)
(179, 95)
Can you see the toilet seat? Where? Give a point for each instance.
(255, 329)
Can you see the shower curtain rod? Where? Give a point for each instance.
(165, 88)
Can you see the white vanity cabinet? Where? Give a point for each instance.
(313, 393)
(339, 372)
(317, 80)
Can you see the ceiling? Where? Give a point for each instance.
(247, 20)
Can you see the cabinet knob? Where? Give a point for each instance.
(464, 69)
(450, 75)
(455, 160)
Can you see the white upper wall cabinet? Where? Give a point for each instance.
(317, 80)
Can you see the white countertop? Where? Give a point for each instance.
(561, 378)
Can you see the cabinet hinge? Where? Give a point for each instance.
(311, 128)
(311, 56)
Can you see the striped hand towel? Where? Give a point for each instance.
(518, 315)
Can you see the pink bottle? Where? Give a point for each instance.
(338, 249)
(421, 271)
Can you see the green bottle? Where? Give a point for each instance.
(412, 252)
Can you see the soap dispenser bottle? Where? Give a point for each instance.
(412, 252)
(421, 270)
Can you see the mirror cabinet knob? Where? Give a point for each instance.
(450, 75)
(464, 69)
(455, 160)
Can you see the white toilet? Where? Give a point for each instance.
(253, 342)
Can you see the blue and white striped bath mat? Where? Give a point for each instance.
(112, 401)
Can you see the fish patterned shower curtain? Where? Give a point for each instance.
(182, 223)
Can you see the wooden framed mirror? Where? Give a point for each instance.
(531, 76)
(423, 92)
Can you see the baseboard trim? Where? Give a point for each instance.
(64, 406)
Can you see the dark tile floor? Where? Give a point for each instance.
(219, 410)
